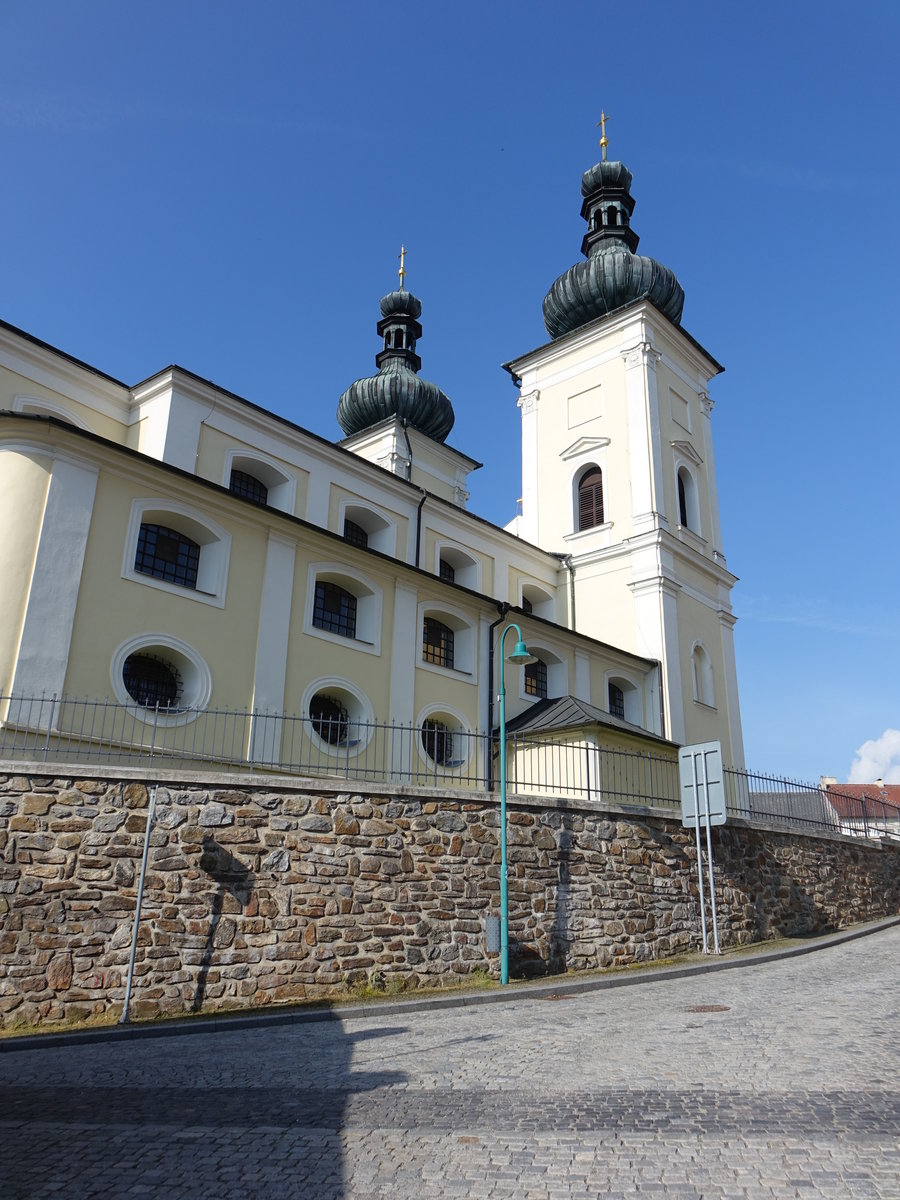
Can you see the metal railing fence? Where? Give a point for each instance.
(55, 729)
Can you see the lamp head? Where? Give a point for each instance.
(521, 655)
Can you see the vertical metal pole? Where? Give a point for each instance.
(709, 859)
(504, 882)
(125, 1017)
(49, 725)
(699, 853)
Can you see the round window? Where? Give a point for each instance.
(150, 681)
(329, 719)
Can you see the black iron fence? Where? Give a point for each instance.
(60, 729)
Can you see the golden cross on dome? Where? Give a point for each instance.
(402, 271)
(604, 140)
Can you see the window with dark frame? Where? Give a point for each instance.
(355, 534)
(437, 643)
(616, 701)
(447, 571)
(536, 679)
(527, 606)
(150, 681)
(243, 484)
(167, 554)
(329, 719)
(682, 501)
(590, 499)
(334, 609)
(437, 742)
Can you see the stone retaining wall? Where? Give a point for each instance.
(261, 891)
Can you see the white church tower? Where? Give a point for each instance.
(618, 472)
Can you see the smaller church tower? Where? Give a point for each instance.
(618, 473)
(396, 418)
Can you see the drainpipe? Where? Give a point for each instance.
(502, 608)
(404, 424)
(567, 563)
(419, 523)
(662, 707)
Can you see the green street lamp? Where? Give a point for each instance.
(521, 656)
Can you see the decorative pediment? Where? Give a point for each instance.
(686, 450)
(584, 446)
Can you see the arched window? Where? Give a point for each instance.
(355, 534)
(590, 499)
(702, 673)
(624, 700)
(536, 679)
(334, 609)
(454, 565)
(243, 484)
(688, 508)
(437, 643)
(167, 554)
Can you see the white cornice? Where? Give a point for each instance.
(54, 371)
(639, 314)
(687, 451)
(584, 445)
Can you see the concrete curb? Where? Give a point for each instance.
(234, 1023)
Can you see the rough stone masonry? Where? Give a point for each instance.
(260, 890)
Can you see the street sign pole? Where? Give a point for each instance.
(696, 791)
(711, 780)
(709, 857)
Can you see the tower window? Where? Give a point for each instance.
(536, 679)
(355, 534)
(334, 609)
(616, 701)
(682, 501)
(447, 571)
(242, 483)
(150, 682)
(590, 499)
(167, 554)
(437, 643)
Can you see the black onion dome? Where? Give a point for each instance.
(401, 302)
(397, 390)
(613, 274)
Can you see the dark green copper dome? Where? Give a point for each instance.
(397, 390)
(612, 274)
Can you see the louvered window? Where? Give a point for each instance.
(590, 499)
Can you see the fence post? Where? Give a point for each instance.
(49, 726)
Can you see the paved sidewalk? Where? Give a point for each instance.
(776, 1080)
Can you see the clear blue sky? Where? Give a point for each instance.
(226, 186)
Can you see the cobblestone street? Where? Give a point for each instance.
(776, 1080)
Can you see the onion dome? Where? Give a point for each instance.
(613, 274)
(397, 390)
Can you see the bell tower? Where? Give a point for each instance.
(618, 471)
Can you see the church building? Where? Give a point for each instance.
(175, 549)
